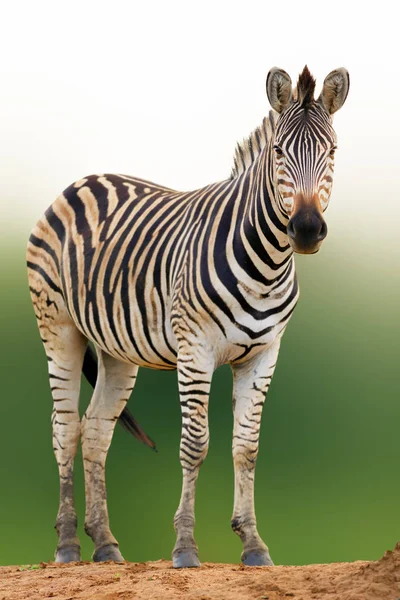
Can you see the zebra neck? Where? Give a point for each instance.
(261, 227)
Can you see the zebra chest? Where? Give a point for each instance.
(245, 338)
(235, 330)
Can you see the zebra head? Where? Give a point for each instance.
(304, 145)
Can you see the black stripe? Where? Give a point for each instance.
(43, 273)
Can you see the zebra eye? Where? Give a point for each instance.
(332, 152)
(278, 150)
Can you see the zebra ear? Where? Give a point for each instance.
(279, 89)
(335, 90)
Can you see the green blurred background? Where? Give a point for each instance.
(327, 484)
(164, 93)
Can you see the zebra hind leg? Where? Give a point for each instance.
(65, 377)
(65, 348)
(114, 384)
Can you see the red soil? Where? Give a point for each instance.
(361, 580)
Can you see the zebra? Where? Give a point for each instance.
(190, 281)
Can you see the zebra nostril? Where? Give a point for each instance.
(290, 229)
(323, 231)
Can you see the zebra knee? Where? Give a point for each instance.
(245, 456)
(193, 452)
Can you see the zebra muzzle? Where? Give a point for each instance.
(306, 231)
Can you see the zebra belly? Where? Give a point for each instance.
(128, 334)
(146, 340)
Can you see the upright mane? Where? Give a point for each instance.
(305, 88)
(250, 148)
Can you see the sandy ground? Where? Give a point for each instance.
(360, 580)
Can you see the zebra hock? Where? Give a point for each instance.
(163, 279)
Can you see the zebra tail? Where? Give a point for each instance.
(126, 418)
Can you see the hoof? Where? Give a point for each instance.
(185, 559)
(68, 554)
(257, 559)
(108, 552)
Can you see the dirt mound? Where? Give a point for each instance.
(379, 580)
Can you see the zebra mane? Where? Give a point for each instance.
(250, 148)
(304, 92)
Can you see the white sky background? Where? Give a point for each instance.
(163, 90)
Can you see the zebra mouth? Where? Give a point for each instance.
(302, 251)
(304, 246)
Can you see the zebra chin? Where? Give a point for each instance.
(306, 249)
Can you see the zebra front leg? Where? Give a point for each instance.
(115, 381)
(251, 382)
(194, 388)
